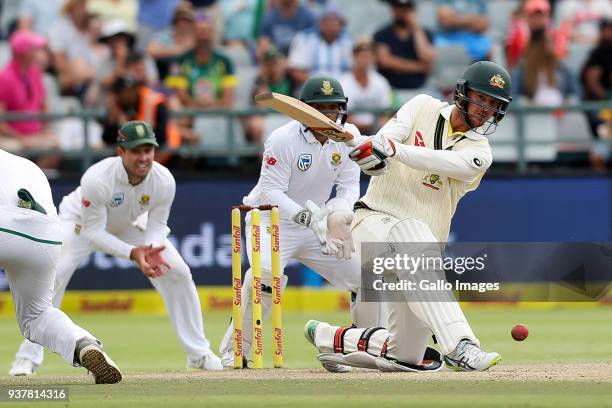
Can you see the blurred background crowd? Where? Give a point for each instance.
(191, 68)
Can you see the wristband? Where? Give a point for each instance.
(303, 217)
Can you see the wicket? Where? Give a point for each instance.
(256, 289)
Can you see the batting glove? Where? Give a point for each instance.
(378, 170)
(373, 152)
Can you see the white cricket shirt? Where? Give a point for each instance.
(297, 168)
(106, 205)
(16, 173)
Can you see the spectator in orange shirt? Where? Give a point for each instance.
(133, 100)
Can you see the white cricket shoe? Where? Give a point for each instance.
(99, 364)
(227, 360)
(468, 357)
(23, 367)
(207, 362)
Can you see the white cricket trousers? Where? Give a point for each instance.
(176, 287)
(410, 323)
(299, 243)
(30, 246)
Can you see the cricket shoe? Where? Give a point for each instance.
(468, 357)
(333, 367)
(208, 361)
(23, 367)
(98, 363)
(227, 360)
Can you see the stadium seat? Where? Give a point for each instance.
(574, 132)
(577, 56)
(214, 133)
(503, 141)
(274, 121)
(404, 95)
(367, 18)
(246, 80)
(500, 12)
(540, 138)
(5, 53)
(238, 55)
(450, 63)
(428, 16)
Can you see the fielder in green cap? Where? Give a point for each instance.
(121, 208)
(136, 145)
(135, 133)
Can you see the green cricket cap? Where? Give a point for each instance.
(135, 133)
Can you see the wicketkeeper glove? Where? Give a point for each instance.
(315, 218)
(339, 225)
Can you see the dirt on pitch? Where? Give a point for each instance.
(592, 372)
(575, 372)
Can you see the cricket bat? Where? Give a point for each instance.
(305, 114)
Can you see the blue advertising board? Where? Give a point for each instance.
(513, 210)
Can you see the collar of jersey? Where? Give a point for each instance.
(123, 176)
(470, 134)
(307, 134)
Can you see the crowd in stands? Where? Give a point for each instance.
(144, 59)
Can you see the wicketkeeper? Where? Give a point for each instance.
(299, 170)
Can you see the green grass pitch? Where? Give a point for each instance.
(566, 361)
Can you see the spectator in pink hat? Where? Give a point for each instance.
(533, 16)
(22, 91)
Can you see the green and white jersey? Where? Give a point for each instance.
(202, 79)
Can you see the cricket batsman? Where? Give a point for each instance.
(434, 153)
(300, 167)
(30, 245)
(121, 208)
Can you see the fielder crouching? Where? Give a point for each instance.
(429, 155)
(299, 171)
(30, 246)
(121, 208)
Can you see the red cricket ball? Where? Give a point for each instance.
(520, 332)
